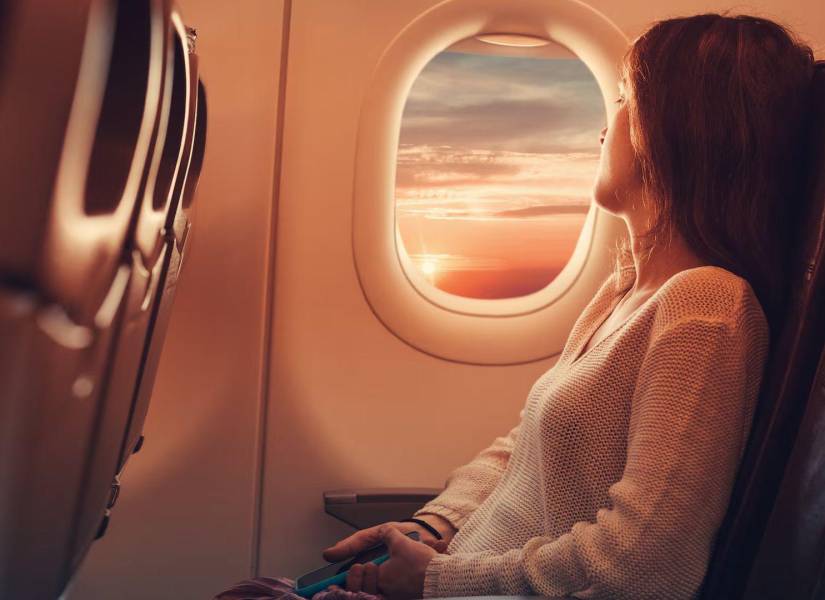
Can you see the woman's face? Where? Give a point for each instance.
(618, 185)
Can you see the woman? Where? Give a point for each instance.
(617, 478)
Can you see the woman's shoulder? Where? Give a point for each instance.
(709, 293)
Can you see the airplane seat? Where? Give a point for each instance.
(76, 114)
(791, 558)
(151, 249)
(98, 102)
(787, 413)
(177, 230)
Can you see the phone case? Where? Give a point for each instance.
(340, 580)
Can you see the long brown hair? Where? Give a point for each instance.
(717, 107)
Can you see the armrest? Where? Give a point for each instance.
(371, 506)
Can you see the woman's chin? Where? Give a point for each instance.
(607, 200)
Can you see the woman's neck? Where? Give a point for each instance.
(656, 265)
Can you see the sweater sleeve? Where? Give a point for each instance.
(688, 424)
(469, 485)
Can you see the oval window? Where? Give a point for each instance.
(498, 150)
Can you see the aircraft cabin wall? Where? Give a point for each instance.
(272, 391)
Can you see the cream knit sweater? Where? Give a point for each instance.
(616, 480)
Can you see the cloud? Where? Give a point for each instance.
(536, 125)
(506, 132)
(542, 211)
(460, 79)
(425, 172)
(431, 177)
(458, 262)
(504, 103)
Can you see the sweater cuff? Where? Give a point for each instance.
(455, 575)
(455, 518)
(432, 574)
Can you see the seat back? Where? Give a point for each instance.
(791, 558)
(71, 169)
(77, 112)
(790, 562)
(97, 162)
(178, 229)
(148, 250)
(786, 386)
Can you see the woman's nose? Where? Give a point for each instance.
(602, 135)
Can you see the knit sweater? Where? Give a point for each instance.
(616, 480)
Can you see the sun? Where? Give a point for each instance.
(428, 267)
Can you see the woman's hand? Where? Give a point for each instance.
(369, 537)
(365, 577)
(402, 576)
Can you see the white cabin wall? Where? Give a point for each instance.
(806, 17)
(182, 526)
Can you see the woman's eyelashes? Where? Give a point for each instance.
(619, 100)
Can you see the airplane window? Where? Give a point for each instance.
(497, 156)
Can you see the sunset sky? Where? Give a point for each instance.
(496, 162)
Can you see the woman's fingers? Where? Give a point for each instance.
(363, 577)
(355, 578)
(352, 545)
(370, 581)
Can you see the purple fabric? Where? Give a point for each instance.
(282, 588)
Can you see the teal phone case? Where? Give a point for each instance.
(340, 579)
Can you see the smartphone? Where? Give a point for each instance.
(336, 573)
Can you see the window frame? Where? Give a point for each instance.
(470, 330)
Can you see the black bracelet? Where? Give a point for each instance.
(425, 525)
